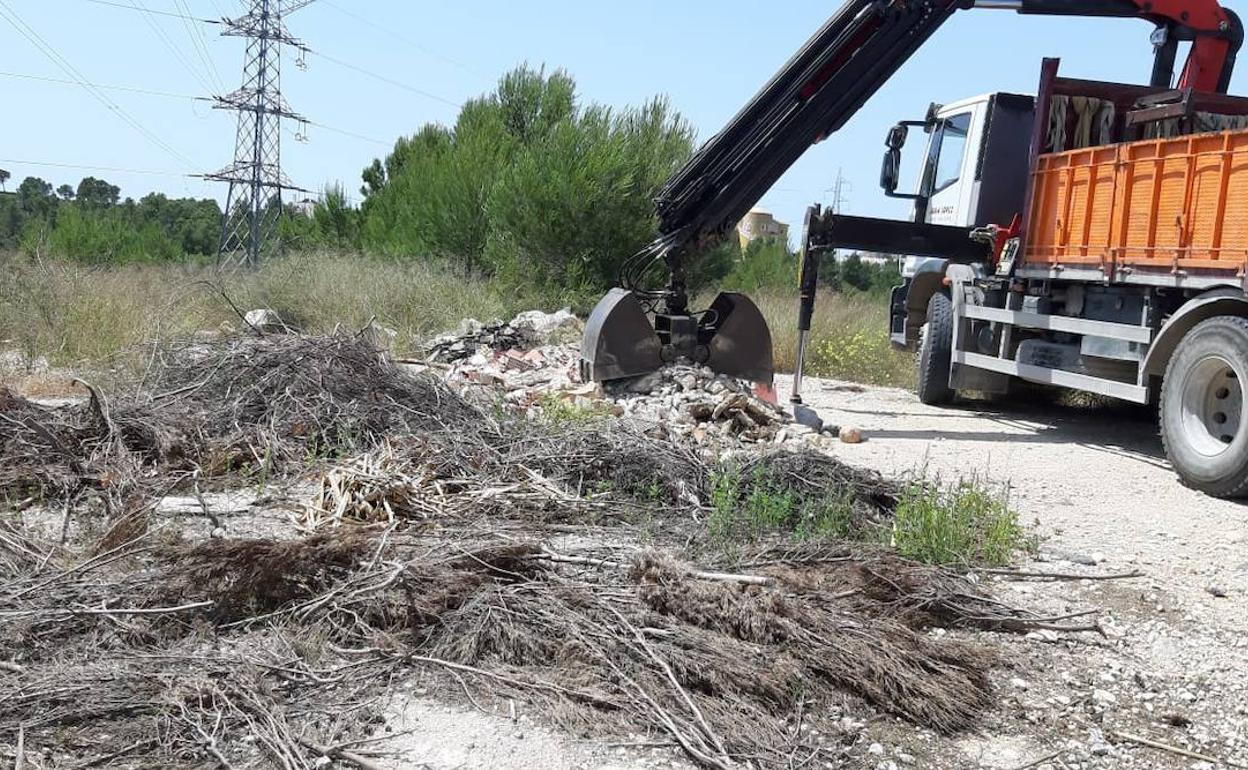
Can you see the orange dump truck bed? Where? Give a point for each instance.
(1170, 206)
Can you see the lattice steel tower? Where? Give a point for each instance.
(254, 203)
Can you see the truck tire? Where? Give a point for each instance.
(1202, 417)
(936, 352)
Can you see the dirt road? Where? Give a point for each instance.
(1096, 483)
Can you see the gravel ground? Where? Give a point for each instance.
(1095, 482)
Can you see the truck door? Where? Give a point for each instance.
(949, 173)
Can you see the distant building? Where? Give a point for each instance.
(305, 206)
(761, 224)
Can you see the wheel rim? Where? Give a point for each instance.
(1212, 407)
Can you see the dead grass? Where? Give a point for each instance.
(507, 565)
(849, 338)
(73, 314)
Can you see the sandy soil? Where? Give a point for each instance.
(1171, 668)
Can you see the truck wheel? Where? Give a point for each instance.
(936, 352)
(1202, 407)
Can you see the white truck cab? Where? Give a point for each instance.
(964, 139)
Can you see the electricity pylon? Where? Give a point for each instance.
(254, 204)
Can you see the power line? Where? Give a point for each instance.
(35, 39)
(81, 167)
(385, 79)
(301, 137)
(327, 57)
(101, 86)
(351, 134)
(123, 6)
(199, 42)
(402, 38)
(172, 47)
(191, 97)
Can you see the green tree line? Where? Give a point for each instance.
(90, 223)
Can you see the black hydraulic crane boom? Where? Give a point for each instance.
(813, 95)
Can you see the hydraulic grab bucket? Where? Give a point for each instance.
(731, 337)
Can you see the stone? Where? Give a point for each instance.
(645, 384)
(1217, 591)
(560, 327)
(1098, 745)
(851, 436)
(876, 748)
(265, 321)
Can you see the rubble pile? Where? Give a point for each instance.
(533, 360)
(528, 330)
(693, 401)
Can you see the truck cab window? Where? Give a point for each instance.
(952, 146)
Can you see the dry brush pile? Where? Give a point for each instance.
(497, 558)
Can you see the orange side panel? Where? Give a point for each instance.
(1159, 206)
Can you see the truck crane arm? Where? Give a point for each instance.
(816, 92)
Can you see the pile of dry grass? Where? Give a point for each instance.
(718, 663)
(191, 645)
(263, 406)
(812, 477)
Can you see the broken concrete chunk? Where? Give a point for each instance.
(265, 321)
(558, 328)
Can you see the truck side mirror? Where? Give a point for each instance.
(897, 137)
(890, 170)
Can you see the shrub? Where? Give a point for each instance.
(962, 523)
(765, 263)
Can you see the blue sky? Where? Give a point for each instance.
(708, 57)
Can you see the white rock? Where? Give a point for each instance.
(264, 320)
(875, 748)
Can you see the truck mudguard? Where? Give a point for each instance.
(1225, 301)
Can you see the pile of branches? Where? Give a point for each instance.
(168, 653)
(64, 453)
(278, 400)
(220, 408)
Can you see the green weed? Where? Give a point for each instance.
(559, 410)
(740, 511)
(963, 523)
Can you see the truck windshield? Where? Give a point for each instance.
(952, 146)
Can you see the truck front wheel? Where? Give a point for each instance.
(936, 352)
(1202, 407)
